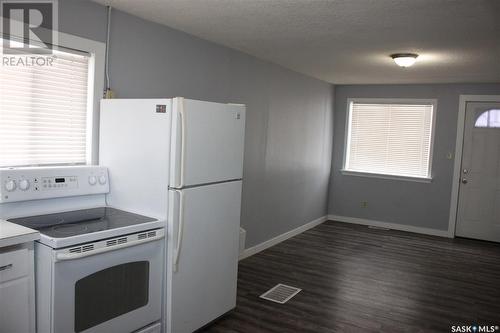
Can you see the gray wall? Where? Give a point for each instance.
(409, 203)
(289, 116)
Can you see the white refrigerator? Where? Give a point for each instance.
(181, 160)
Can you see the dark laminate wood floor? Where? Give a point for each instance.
(356, 279)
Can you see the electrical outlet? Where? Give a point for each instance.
(108, 94)
(364, 204)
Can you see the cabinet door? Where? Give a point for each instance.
(15, 306)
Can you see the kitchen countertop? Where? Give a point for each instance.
(13, 234)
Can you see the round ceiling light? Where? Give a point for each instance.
(404, 59)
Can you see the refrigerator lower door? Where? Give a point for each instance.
(203, 254)
(207, 142)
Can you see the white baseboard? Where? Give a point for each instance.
(388, 225)
(280, 238)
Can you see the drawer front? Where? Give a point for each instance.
(14, 264)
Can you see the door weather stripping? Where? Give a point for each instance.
(90, 249)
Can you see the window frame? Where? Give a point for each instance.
(347, 137)
(95, 88)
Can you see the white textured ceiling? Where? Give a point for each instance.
(346, 41)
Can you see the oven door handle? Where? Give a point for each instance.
(66, 255)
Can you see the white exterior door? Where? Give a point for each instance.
(203, 248)
(207, 142)
(479, 197)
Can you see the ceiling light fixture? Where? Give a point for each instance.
(404, 59)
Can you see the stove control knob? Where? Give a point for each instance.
(24, 184)
(10, 185)
(102, 180)
(92, 180)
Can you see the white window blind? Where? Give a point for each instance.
(390, 139)
(43, 112)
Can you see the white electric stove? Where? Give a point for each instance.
(98, 268)
(67, 228)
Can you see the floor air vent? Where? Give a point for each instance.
(280, 293)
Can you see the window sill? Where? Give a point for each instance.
(384, 176)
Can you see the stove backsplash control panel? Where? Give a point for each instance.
(34, 183)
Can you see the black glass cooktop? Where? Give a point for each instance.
(79, 222)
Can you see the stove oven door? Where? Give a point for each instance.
(114, 291)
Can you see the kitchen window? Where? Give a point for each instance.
(390, 138)
(47, 108)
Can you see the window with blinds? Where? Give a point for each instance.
(43, 111)
(390, 138)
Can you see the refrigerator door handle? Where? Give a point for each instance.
(183, 142)
(180, 230)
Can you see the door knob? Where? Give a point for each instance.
(464, 181)
(466, 171)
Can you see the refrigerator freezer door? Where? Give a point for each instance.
(135, 146)
(203, 285)
(207, 142)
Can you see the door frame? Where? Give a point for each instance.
(464, 99)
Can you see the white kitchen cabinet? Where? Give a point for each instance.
(17, 289)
